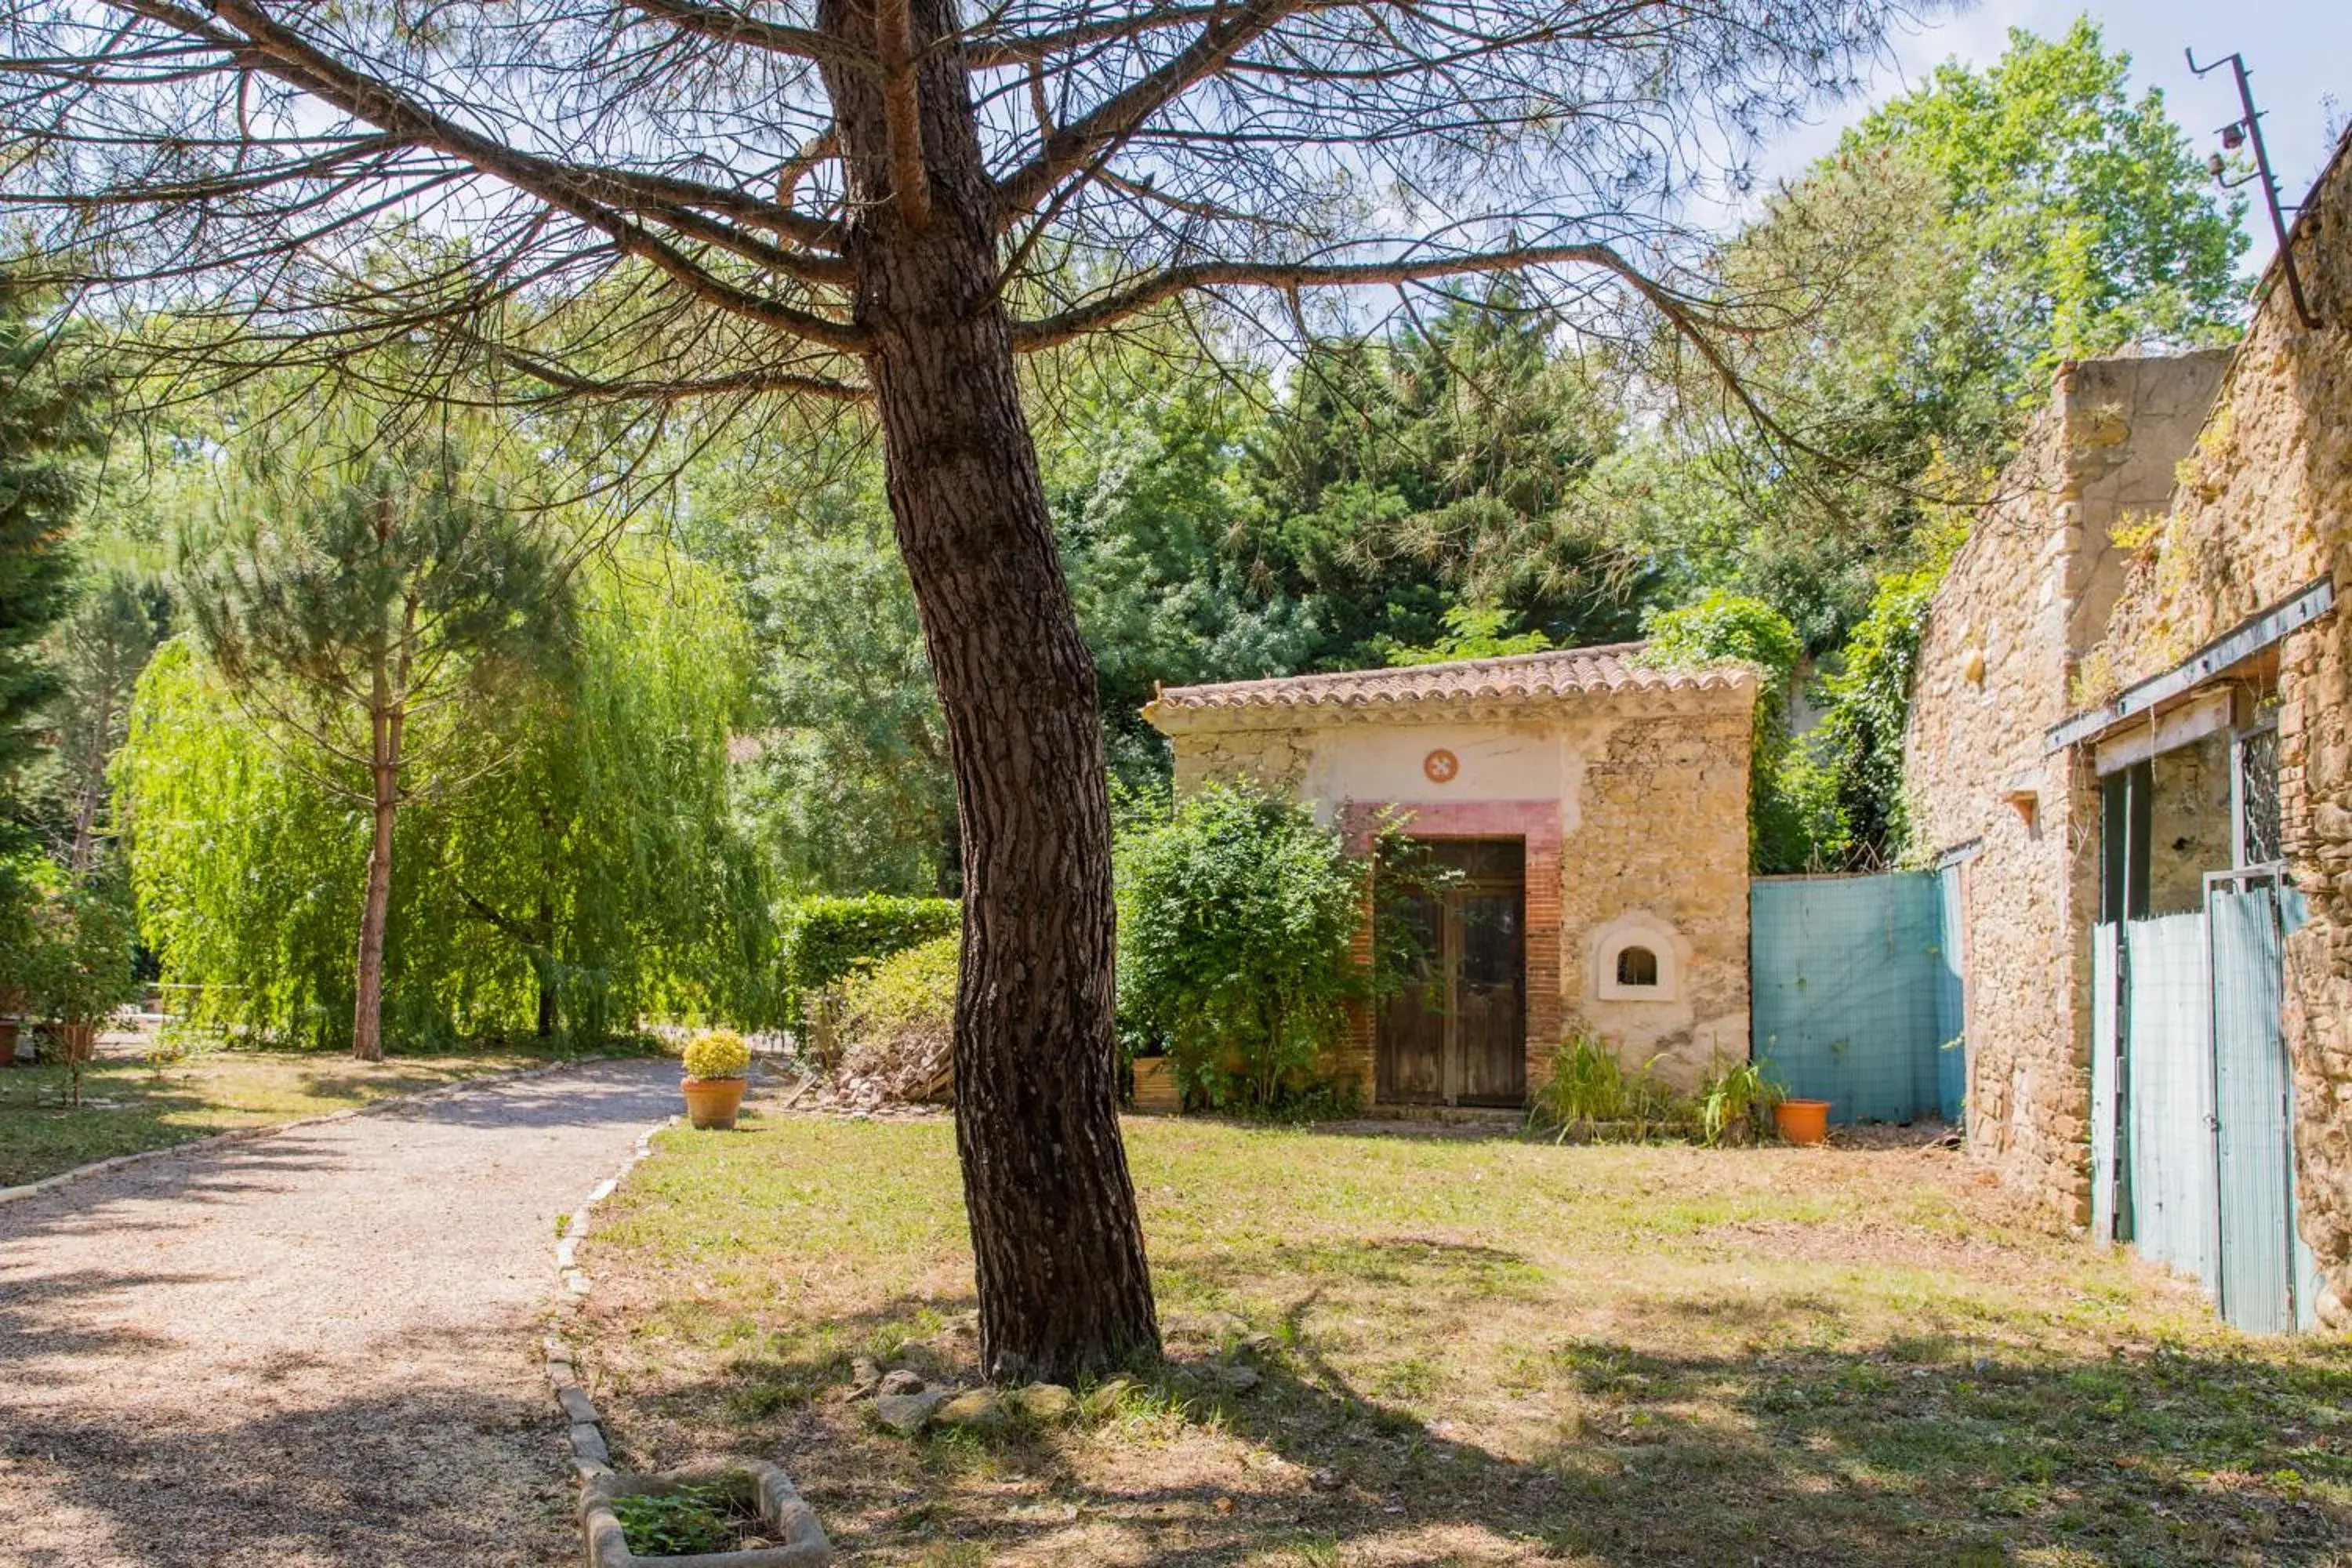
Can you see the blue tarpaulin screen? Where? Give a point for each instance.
(1854, 1000)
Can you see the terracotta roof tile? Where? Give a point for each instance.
(1521, 677)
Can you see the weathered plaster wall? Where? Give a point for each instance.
(1635, 816)
(2263, 508)
(2026, 595)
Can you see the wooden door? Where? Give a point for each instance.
(1411, 1057)
(1455, 1034)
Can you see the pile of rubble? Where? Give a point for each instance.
(912, 1067)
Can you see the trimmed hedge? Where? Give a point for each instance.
(827, 940)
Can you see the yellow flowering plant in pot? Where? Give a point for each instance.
(717, 1069)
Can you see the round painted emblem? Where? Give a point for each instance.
(1441, 765)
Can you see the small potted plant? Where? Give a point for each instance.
(717, 1063)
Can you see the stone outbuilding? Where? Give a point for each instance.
(1596, 809)
(2132, 725)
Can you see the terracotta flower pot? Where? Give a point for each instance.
(1802, 1120)
(712, 1102)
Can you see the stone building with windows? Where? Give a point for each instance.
(1596, 811)
(2132, 725)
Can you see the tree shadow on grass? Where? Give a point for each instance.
(1917, 1450)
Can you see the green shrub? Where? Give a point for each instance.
(1238, 914)
(827, 940)
(78, 966)
(719, 1053)
(1782, 818)
(898, 1021)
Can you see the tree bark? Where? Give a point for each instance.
(543, 924)
(1063, 1283)
(367, 1008)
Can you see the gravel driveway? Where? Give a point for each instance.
(319, 1347)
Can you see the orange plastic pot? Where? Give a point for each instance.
(712, 1102)
(1802, 1120)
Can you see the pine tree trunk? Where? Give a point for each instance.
(367, 1009)
(1063, 1283)
(544, 966)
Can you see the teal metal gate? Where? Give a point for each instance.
(2267, 1280)
(2192, 1144)
(1951, 995)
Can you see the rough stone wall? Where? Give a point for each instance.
(1998, 662)
(1971, 742)
(2189, 827)
(1662, 832)
(1275, 760)
(2263, 509)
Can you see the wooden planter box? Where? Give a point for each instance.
(1155, 1086)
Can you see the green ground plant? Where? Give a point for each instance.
(1590, 1096)
(683, 1523)
(1736, 1101)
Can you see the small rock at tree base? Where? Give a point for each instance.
(905, 1413)
(975, 1410)
(1103, 1400)
(1045, 1403)
(1239, 1379)
(899, 1380)
(1324, 1481)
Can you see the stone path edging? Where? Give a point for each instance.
(271, 1130)
(592, 1455)
(804, 1545)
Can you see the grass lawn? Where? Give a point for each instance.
(127, 1106)
(1479, 1352)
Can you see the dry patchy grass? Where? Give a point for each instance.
(1485, 1352)
(127, 1106)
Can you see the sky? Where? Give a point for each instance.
(2298, 53)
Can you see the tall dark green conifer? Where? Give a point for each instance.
(45, 430)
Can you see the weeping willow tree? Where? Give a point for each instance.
(595, 873)
(610, 858)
